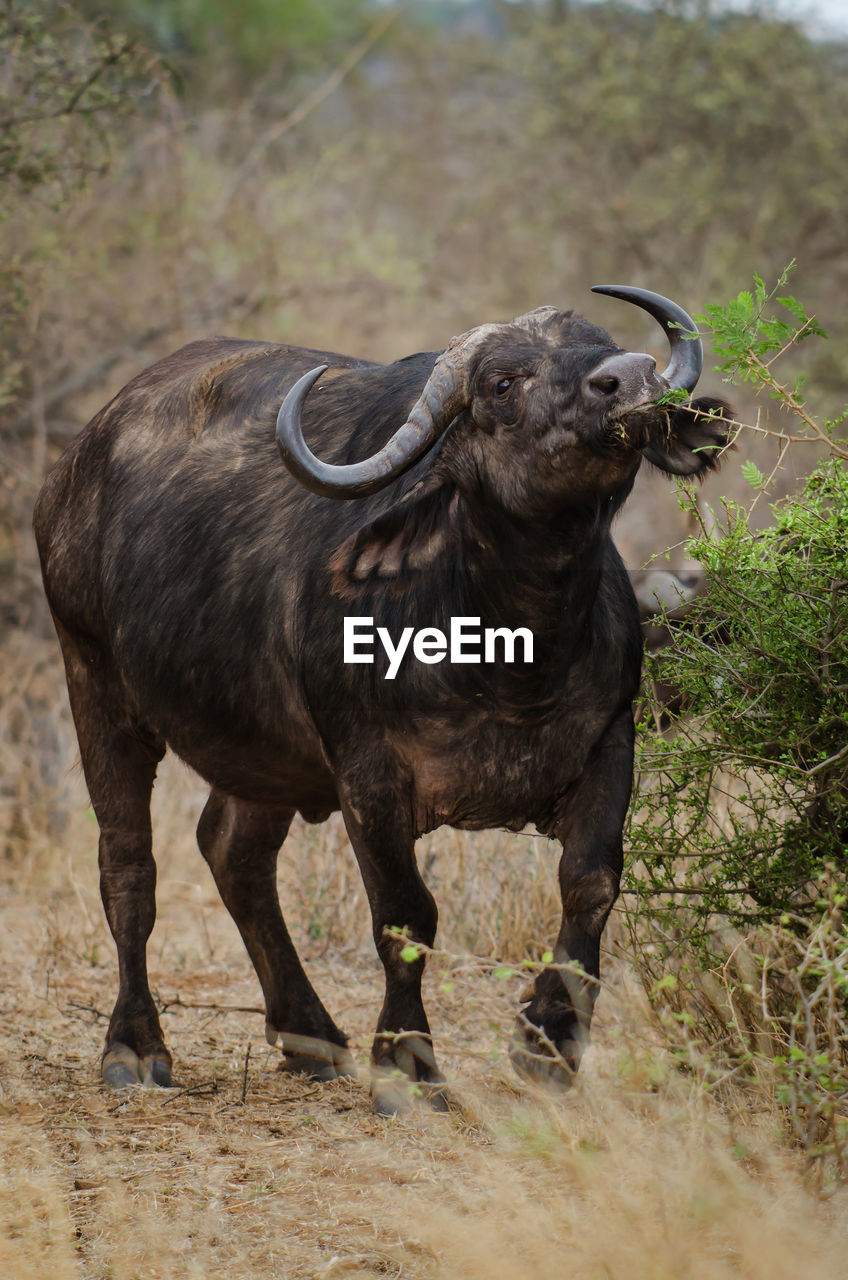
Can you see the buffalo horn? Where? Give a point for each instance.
(441, 400)
(687, 354)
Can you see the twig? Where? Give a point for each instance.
(205, 1086)
(244, 1075)
(86, 1006)
(179, 1003)
(660, 892)
(791, 402)
(109, 60)
(825, 764)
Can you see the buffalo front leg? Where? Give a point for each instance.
(119, 763)
(403, 912)
(554, 1028)
(241, 842)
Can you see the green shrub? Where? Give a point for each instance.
(738, 840)
(746, 800)
(63, 83)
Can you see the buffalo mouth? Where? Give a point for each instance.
(629, 433)
(649, 423)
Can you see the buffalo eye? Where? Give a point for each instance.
(502, 387)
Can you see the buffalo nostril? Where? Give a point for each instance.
(606, 385)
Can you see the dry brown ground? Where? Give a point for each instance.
(244, 1171)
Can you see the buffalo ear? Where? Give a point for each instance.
(399, 546)
(697, 435)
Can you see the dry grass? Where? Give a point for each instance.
(639, 1172)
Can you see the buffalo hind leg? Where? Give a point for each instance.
(554, 1028)
(403, 912)
(120, 766)
(241, 843)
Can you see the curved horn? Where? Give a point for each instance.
(437, 406)
(687, 354)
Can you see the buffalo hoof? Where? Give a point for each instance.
(538, 1060)
(309, 1056)
(121, 1068)
(394, 1094)
(404, 1074)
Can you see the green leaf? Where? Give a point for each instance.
(745, 303)
(752, 473)
(675, 395)
(668, 983)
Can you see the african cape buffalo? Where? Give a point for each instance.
(199, 589)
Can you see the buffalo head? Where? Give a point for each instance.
(539, 414)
